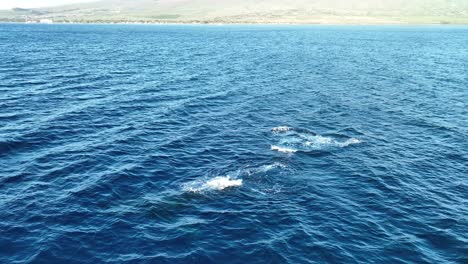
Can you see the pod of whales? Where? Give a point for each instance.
(286, 140)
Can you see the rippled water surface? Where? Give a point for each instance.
(233, 144)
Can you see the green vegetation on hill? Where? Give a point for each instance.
(254, 11)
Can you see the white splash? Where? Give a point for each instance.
(218, 183)
(221, 183)
(282, 149)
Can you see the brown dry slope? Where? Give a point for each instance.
(255, 11)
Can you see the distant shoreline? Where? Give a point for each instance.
(244, 12)
(235, 23)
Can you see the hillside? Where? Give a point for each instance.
(254, 11)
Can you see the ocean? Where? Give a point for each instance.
(233, 144)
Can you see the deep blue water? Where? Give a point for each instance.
(233, 144)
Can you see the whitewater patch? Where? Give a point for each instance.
(217, 183)
(291, 140)
(283, 149)
(221, 183)
(321, 141)
(233, 179)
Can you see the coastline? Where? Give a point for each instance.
(209, 23)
